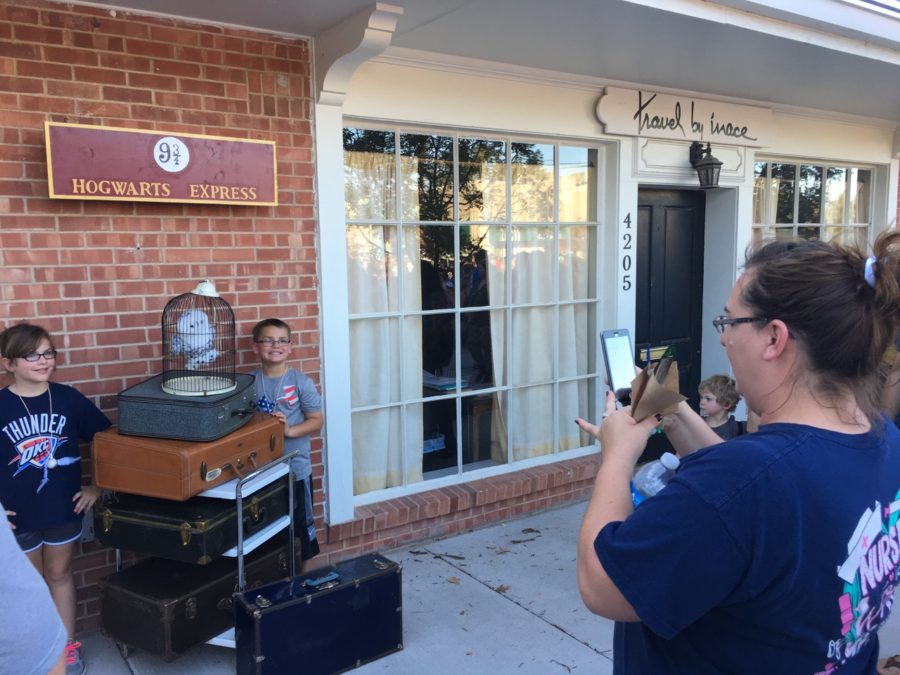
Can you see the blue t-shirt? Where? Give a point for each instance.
(294, 394)
(40, 493)
(775, 552)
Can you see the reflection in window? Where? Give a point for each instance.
(427, 177)
(490, 234)
(577, 176)
(783, 192)
(369, 184)
(858, 187)
(828, 202)
(532, 182)
(759, 189)
(482, 180)
(809, 207)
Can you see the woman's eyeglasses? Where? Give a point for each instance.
(271, 342)
(48, 354)
(720, 322)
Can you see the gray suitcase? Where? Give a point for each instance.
(146, 410)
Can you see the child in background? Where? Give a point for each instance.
(291, 396)
(718, 399)
(40, 485)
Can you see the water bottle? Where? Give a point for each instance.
(653, 477)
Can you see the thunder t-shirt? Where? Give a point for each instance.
(39, 490)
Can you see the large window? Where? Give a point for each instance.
(811, 201)
(473, 301)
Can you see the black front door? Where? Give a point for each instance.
(669, 279)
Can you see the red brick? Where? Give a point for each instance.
(52, 36)
(47, 71)
(147, 48)
(73, 57)
(126, 94)
(126, 62)
(148, 81)
(100, 75)
(21, 85)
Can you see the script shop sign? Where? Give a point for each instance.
(134, 165)
(649, 114)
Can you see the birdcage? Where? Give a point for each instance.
(198, 343)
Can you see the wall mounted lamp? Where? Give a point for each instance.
(708, 167)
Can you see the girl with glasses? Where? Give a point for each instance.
(41, 424)
(777, 551)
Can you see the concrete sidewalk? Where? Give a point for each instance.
(501, 599)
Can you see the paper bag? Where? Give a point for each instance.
(655, 390)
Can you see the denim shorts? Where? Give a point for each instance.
(52, 536)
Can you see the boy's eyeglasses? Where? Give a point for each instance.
(271, 342)
(720, 322)
(48, 354)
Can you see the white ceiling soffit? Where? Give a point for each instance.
(829, 55)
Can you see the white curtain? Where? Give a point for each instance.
(530, 408)
(379, 360)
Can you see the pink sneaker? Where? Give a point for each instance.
(74, 658)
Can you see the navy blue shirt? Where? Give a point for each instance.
(39, 490)
(775, 552)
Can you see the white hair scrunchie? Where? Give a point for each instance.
(869, 274)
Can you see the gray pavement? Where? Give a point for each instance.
(501, 599)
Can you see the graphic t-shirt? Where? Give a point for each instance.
(294, 394)
(775, 552)
(41, 467)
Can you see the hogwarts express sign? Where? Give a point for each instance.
(96, 162)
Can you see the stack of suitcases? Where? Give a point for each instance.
(182, 437)
(166, 450)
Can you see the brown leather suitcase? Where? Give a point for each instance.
(176, 469)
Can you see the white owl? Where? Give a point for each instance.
(195, 339)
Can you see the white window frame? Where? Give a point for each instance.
(342, 461)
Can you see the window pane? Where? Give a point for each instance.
(481, 431)
(859, 185)
(759, 192)
(532, 421)
(482, 180)
(759, 234)
(835, 195)
(438, 435)
(436, 333)
(531, 271)
(481, 366)
(372, 268)
(808, 233)
(810, 194)
(532, 182)
(369, 185)
(577, 262)
(426, 174)
(437, 262)
(531, 345)
(782, 233)
(370, 338)
(577, 339)
(577, 184)
(849, 236)
(782, 194)
(482, 266)
(484, 429)
(576, 399)
(377, 466)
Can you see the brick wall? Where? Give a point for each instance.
(98, 274)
